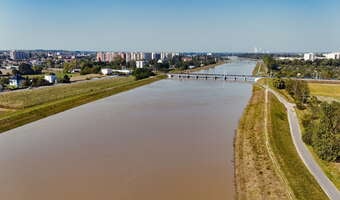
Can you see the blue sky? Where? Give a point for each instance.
(186, 25)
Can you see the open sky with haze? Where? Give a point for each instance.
(176, 25)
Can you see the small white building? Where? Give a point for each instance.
(309, 56)
(51, 78)
(106, 71)
(140, 64)
(15, 81)
(335, 55)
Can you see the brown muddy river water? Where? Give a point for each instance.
(170, 140)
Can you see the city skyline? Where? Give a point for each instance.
(176, 26)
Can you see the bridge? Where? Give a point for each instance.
(204, 76)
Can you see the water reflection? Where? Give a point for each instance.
(168, 140)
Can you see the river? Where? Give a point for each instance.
(170, 140)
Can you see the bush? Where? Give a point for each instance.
(142, 73)
(63, 79)
(90, 70)
(39, 81)
(279, 83)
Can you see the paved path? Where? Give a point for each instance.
(328, 187)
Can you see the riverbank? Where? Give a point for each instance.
(255, 173)
(324, 91)
(269, 167)
(199, 68)
(29, 106)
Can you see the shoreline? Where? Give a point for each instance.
(206, 67)
(30, 114)
(199, 68)
(263, 165)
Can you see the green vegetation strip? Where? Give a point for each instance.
(28, 98)
(255, 174)
(300, 180)
(30, 114)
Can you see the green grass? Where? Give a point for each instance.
(260, 69)
(284, 93)
(28, 98)
(331, 169)
(56, 105)
(255, 175)
(325, 90)
(300, 180)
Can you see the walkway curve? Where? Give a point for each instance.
(327, 185)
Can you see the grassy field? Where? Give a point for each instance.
(299, 178)
(28, 98)
(325, 90)
(260, 69)
(284, 93)
(255, 175)
(36, 104)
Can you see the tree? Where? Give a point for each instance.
(298, 89)
(39, 81)
(270, 62)
(69, 66)
(279, 83)
(4, 81)
(64, 79)
(326, 141)
(25, 69)
(142, 73)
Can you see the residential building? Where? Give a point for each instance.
(335, 55)
(18, 55)
(128, 57)
(51, 78)
(140, 64)
(163, 56)
(16, 81)
(109, 56)
(309, 57)
(147, 56)
(155, 56)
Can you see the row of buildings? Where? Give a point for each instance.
(313, 56)
(134, 56)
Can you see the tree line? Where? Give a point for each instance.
(321, 123)
(322, 69)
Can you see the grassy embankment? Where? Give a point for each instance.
(260, 69)
(256, 175)
(299, 178)
(31, 105)
(324, 92)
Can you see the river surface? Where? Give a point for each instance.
(170, 140)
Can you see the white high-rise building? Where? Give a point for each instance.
(140, 64)
(335, 55)
(309, 56)
(18, 55)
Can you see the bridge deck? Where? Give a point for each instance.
(204, 76)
